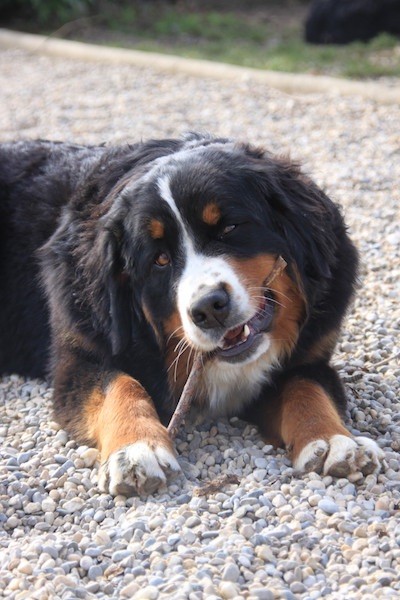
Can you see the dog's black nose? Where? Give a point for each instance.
(211, 309)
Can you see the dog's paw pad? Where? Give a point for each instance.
(137, 469)
(312, 457)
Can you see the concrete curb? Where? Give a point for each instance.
(286, 82)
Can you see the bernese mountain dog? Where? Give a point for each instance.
(118, 264)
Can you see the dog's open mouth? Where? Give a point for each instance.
(245, 337)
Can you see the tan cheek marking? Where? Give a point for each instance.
(156, 229)
(290, 314)
(211, 214)
(290, 311)
(123, 415)
(253, 271)
(173, 325)
(151, 322)
(307, 414)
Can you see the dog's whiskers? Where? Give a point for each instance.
(269, 300)
(174, 333)
(175, 362)
(179, 344)
(263, 289)
(277, 292)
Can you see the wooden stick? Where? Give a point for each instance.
(279, 265)
(188, 392)
(192, 381)
(216, 485)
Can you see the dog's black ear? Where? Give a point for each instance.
(116, 287)
(301, 213)
(83, 270)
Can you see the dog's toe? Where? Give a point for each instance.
(312, 457)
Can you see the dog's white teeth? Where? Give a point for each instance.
(235, 336)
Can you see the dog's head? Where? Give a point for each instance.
(199, 231)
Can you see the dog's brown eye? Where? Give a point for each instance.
(162, 259)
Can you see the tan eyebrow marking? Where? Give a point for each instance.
(211, 213)
(156, 229)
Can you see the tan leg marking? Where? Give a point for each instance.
(136, 450)
(316, 437)
(307, 414)
(123, 415)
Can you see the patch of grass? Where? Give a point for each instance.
(170, 25)
(357, 61)
(267, 35)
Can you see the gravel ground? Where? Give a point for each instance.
(272, 535)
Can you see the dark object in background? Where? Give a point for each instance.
(344, 21)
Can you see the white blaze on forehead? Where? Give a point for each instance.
(229, 387)
(165, 193)
(201, 271)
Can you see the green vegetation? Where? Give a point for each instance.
(285, 51)
(262, 36)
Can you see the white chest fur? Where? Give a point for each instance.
(229, 387)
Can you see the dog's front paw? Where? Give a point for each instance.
(138, 468)
(340, 456)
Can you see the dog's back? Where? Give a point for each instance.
(36, 181)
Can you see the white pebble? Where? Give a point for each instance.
(149, 592)
(25, 567)
(48, 505)
(73, 505)
(228, 589)
(90, 456)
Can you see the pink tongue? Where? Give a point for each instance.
(234, 333)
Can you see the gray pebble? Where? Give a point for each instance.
(193, 521)
(120, 555)
(24, 457)
(51, 550)
(95, 571)
(206, 535)
(99, 516)
(93, 552)
(328, 506)
(138, 571)
(262, 594)
(297, 587)
(173, 539)
(231, 572)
